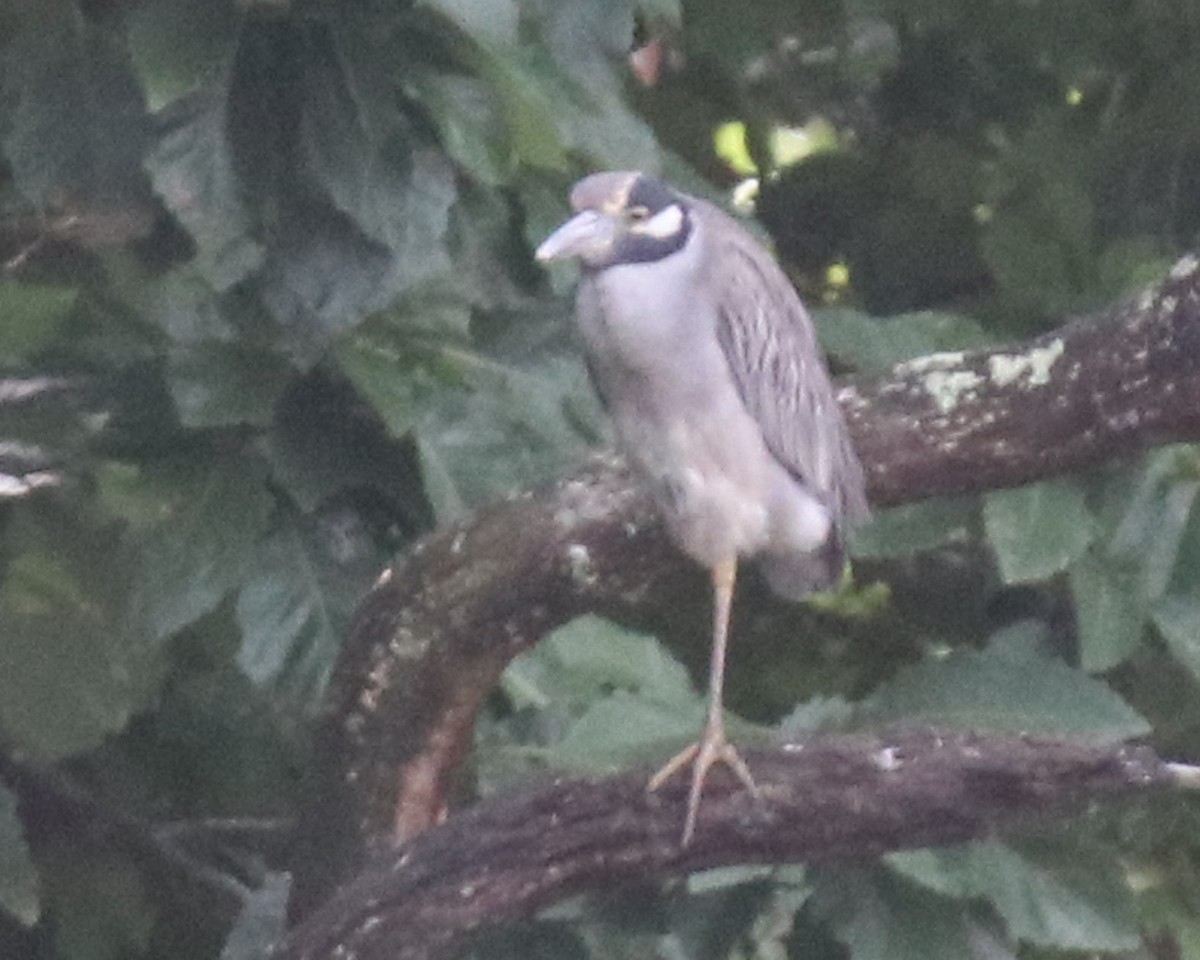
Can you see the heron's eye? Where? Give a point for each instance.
(663, 224)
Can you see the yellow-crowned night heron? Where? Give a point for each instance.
(706, 359)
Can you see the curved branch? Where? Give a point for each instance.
(507, 857)
(1098, 388)
(430, 641)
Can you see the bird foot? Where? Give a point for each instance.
(711, 749)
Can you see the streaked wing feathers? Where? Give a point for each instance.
(769, 341)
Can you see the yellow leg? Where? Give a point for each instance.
(712, 747)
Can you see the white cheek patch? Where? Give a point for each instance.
(666, 223)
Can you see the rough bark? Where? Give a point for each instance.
(847, 797)
(1098, 388)
(432, 638)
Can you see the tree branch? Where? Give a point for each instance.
(429, 642)
(1102, 387)
(509, 856)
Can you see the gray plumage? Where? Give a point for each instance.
(709, 366)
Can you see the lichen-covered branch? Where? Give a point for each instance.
(1098, 388)
(508, 857)
(430, 641)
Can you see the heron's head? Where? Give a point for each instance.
(621, 218)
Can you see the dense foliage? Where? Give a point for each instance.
(268, 313)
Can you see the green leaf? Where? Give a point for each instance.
(193, 171)
(522, 422)
(1177, 618)
(1110, 609)
(661, 11)
(32, 316)
(1117, 585)
(623, 730)
(325, 445)
(1052, 142)
(102, 908)
(993, 691)
(608, 698)
(205, 545)
(361, 152)
(1156, 519)
(352, 196)
(138, 497)
(18, 879)
(440, 487)
(879, 917)
(715, 923)
(944, 871)
(1176, 613)
(403, 360)
(287, 620)
(234, 748)
(75, 126)
(226, 384)
(616, 697)
(591, 656)
(1064, 895)
(184, 307)
(1037, 530)
(912, 527)
(723, 878)
(1024, 640)
(70, 676)
(575, 80)
(1029, 267)
(63, 689)
(490, 22)
(1041, 238)
(1132, 263)
(1165, 910)
(876, 344)
(387, 379)
(177, 46)
(467, 112)
(529, 112)
(817, 713)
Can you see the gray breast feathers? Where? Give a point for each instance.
(768, 339)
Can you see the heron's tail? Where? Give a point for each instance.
(798, 574)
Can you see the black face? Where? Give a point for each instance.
(651, 193)
(646, 236)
